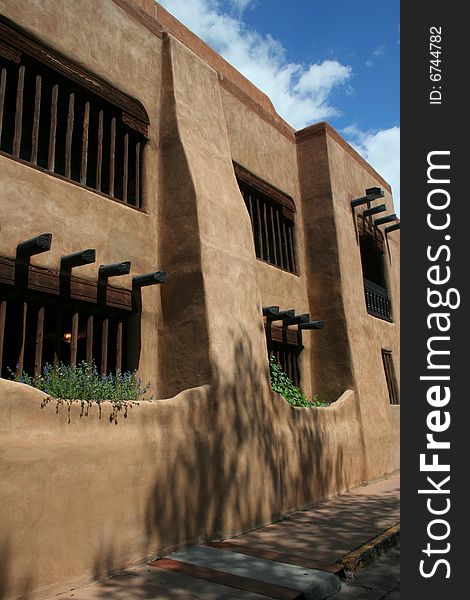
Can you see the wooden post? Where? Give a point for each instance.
(84, 160)
(112, 156)
(284, 245)
(3, 311)
(290, 231)
(18, 113)
(281, 253)
(104, 347)
(119, 347)
(268, 253)
(125, 175)
(68, 136)
(37, 114)
(39, 342)
(74, 340)
(273, 233)
(260, 236)
(3, 82)
(20, 363)
(99, 156)
(53, 129)
(89, 340)
(137, 175)
(57, 337)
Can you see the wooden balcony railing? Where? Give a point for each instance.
(377, 301)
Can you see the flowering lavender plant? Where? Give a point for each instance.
(84, 382)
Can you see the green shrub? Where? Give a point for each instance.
(83, 382)
(283, 384)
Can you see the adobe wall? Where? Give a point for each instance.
(221, 454)
(84, 498)
(271, 156)
(367, 335)
(32, 202)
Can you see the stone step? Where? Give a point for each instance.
(234, 545)
(287, 577)
(238, 585)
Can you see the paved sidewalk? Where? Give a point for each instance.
(297, 557)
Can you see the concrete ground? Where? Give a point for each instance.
(380, 580)
(298, 557)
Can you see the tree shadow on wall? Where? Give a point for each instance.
(246, 458)
(25, 588)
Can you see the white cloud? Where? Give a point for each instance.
(300, 93)
(240, 5)
(376, 53)
(379, 51)
(382, 150)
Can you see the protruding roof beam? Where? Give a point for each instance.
(373, 211)
(270, 311)
(149, 279)
(36, 245)
(113, 270)
(387, 219)
(312, 325)
(391, 228)
(305, 318)
(282, 315)
(371, 195)
(78, 259)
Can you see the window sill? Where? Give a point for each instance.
(75, 183)
(265, 262)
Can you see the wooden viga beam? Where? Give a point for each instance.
(113, 270)
(282, 315)
(297, 320)
(270, 311)
(387, 219)
(374, 210)
(393, 227)
(139, 281)
(35, 245)
(371, 194)
(77, 259)
(312, 325)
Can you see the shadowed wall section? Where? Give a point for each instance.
(210, 462)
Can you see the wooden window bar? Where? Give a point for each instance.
(43, 135)
(271, 222)
(392, 385)
(39, 325)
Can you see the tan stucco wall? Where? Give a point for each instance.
(85, 498)
(221, 454)
(367, 335)
(268, 154)
(78, 218)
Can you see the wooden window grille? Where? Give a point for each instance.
(285, 346)
(38, 325)
(61, 119)
(372, 245)
(272, 220)
(390, 376)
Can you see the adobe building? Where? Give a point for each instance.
(125, 139)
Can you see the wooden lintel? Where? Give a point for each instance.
(41, 279)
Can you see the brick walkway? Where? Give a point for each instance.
(295, 556)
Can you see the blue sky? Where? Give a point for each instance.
(333, 60)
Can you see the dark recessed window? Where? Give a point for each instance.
(272, 220)
(39, 325)
(285, 345)
(371, 241)
(59, 118)
(390, 376)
